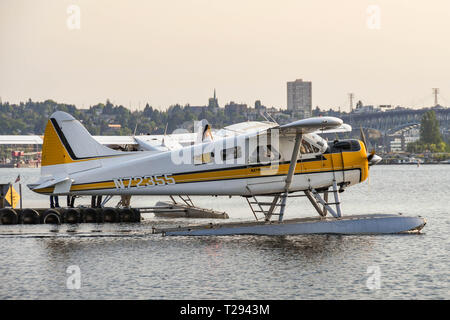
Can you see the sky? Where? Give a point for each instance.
(165, 52)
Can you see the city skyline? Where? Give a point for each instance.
(177, 52)
(140, 105)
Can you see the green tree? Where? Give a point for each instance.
(429, 128)
(430, 136)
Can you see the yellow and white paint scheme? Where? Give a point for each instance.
(247, 159)
(75, 163)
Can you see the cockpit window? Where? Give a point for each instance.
(306, 148)
(343, 145)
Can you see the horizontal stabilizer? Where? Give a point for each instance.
(52, 182)
(63, 186)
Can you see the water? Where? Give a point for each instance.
(125, 261)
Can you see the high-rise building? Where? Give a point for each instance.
(299, 95)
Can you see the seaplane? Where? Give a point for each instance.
(254, 160)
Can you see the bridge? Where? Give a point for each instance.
(402, 128)
(383, 127)
(393, 121)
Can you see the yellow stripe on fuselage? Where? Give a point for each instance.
(332, 162)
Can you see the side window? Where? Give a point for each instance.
(273, 153)
(204, 158)
(231, 153)
(265, 153)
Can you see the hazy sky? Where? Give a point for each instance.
(177, 51)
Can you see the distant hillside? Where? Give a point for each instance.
(31, 117)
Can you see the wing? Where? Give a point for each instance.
(145, 142)
(30, 139)
(343, 128)
(311, 125)
(115, 140)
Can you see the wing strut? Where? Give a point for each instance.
(290, 174)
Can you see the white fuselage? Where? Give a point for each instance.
(175, 172)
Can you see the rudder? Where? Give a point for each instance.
(67, 141)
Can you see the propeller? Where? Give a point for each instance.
(372, 157)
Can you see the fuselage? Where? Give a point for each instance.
(224, 167)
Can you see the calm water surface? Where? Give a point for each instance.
(125, 261)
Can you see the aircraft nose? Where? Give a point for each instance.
(374, 160)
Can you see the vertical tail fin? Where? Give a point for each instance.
(68, 144)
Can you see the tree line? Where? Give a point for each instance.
(430, 136)
(31, 118)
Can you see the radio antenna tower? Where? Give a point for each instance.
(351, 95)
(435, 92)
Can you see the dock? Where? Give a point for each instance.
(68, 215)
(96, 213)
(165, 209)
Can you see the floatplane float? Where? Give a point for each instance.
(253, 160)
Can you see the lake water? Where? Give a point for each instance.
(126, 261)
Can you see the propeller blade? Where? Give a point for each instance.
(372, 153)
(374, 160)
(363, 137)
